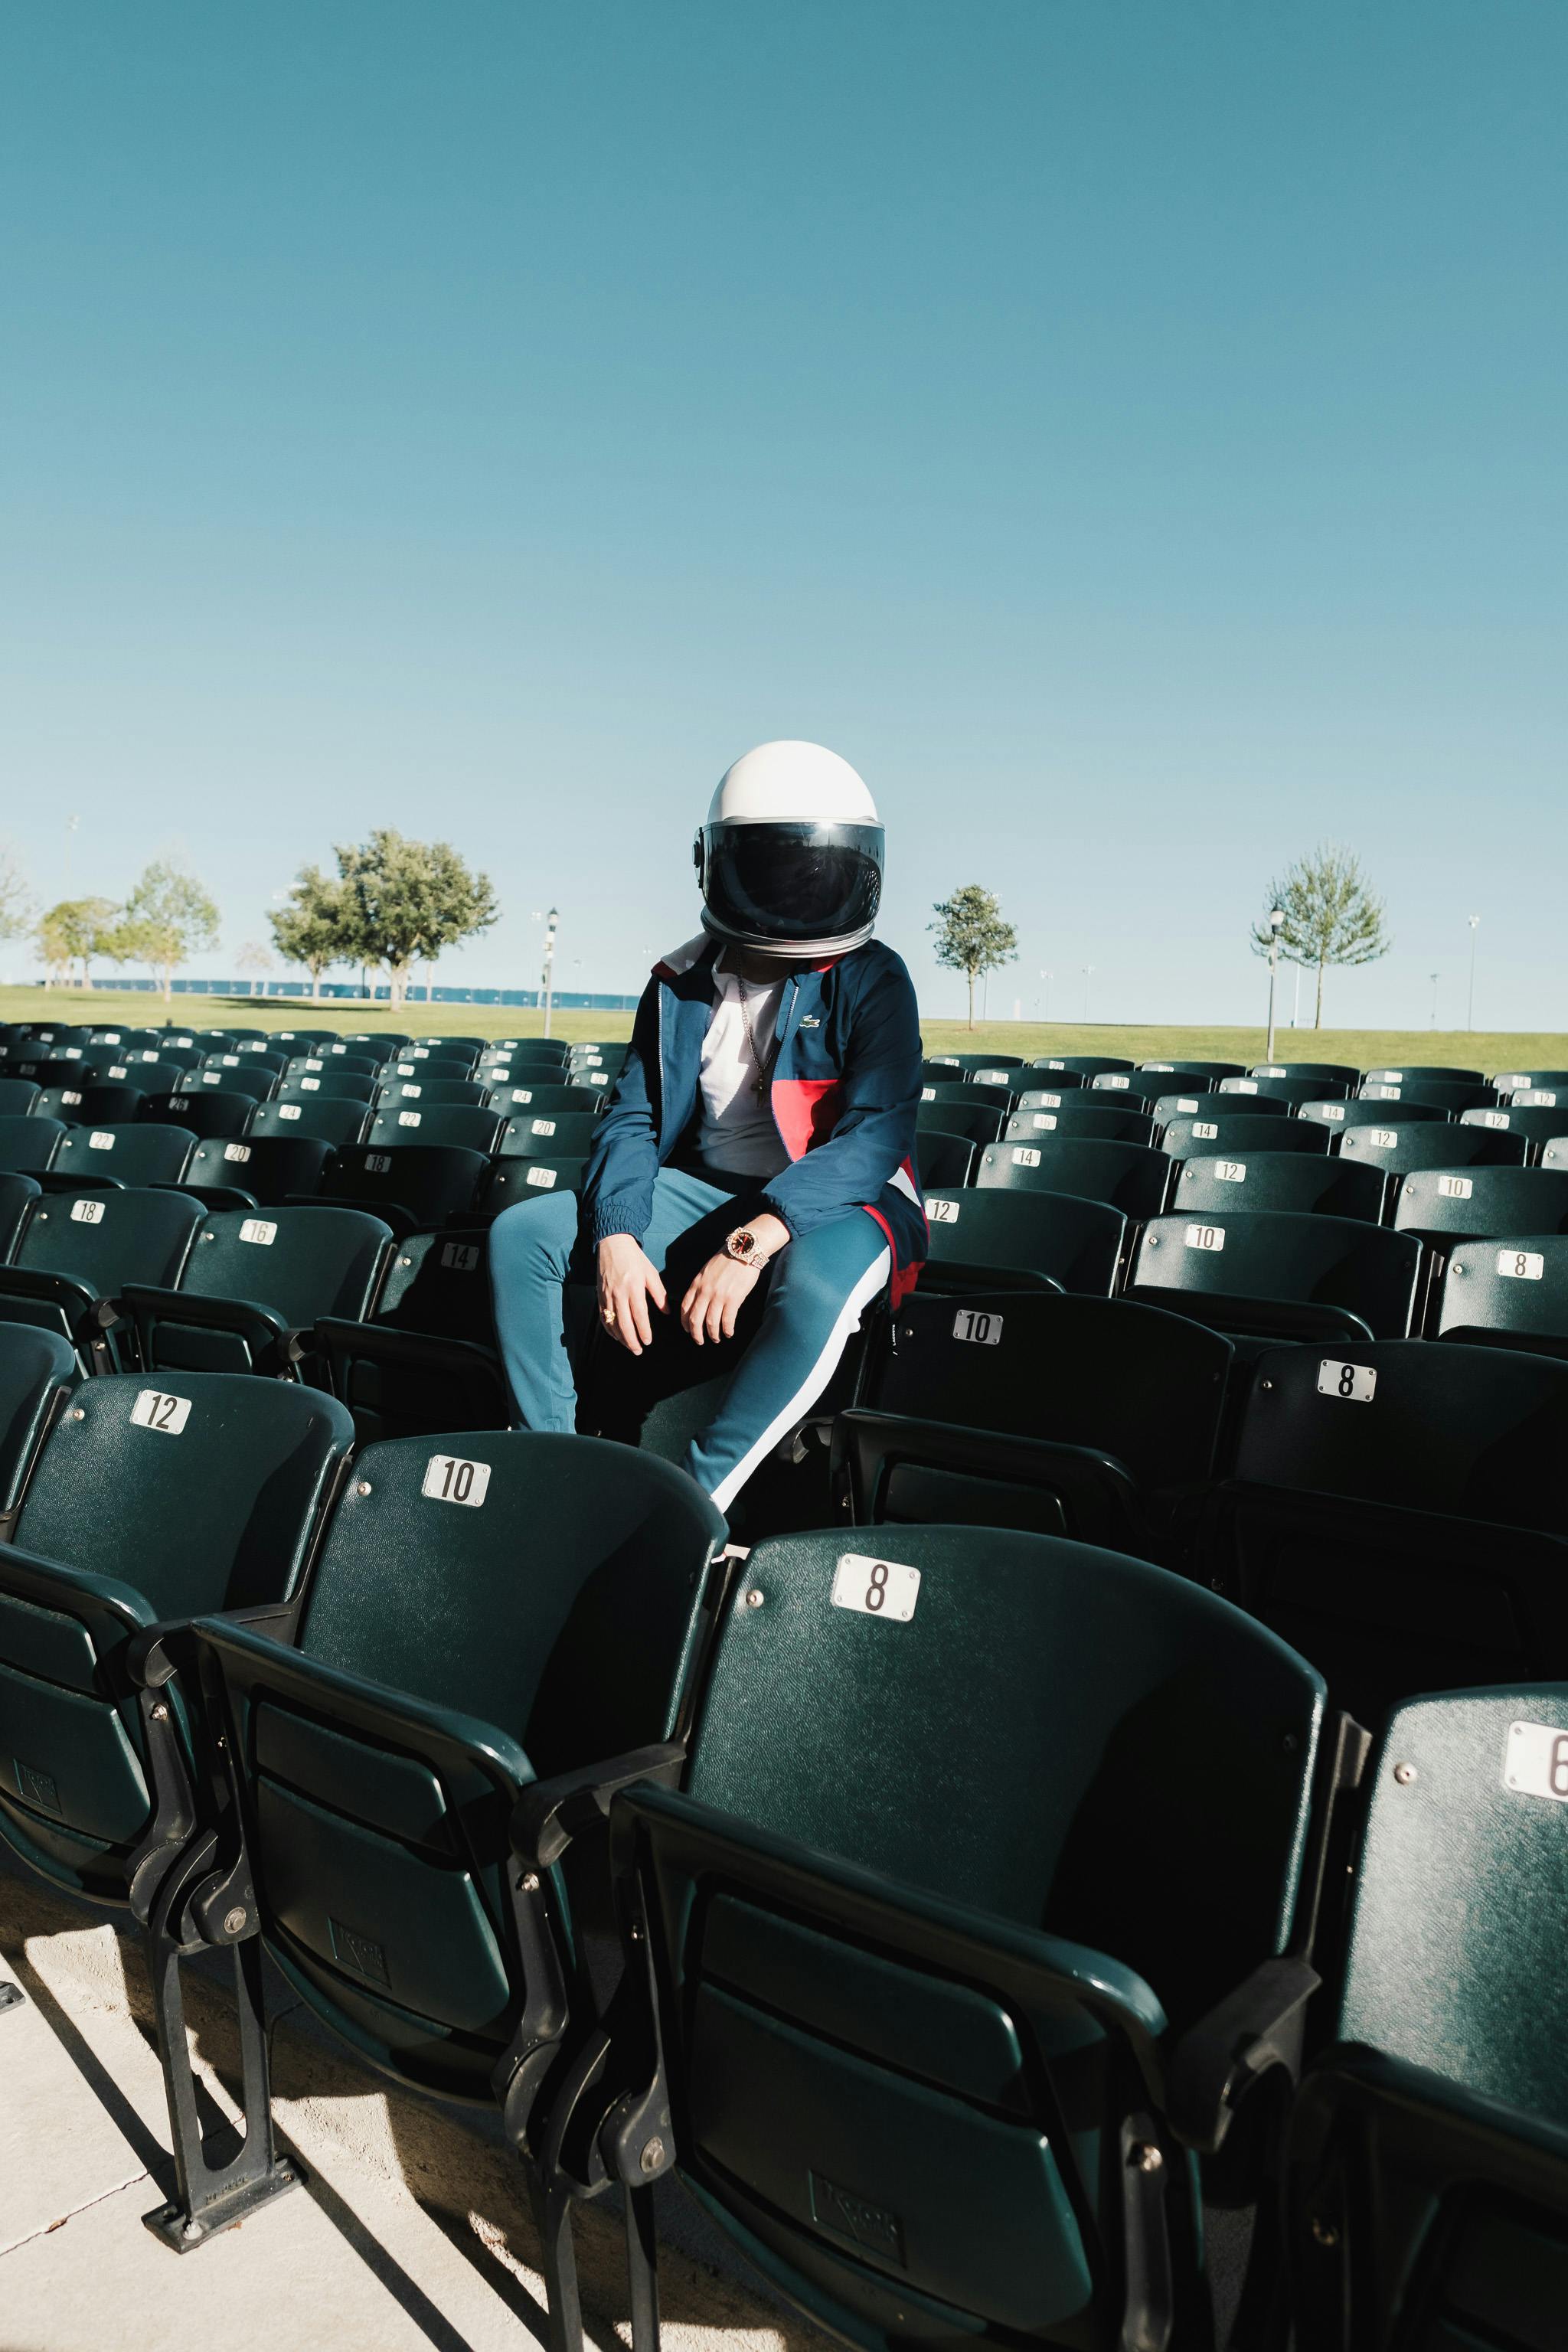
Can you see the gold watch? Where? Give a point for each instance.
(741, 1246)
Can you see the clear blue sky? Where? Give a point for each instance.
(1131, 431)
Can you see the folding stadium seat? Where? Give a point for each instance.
(1508, 1291)
(264, 1168)
(361, 1056)
(1277, 1275)
(232, 1078)
(941, 1069)
(968, 1062)
(412, 1186)
(871, 2018)
(1212, 1070)
(1448, 1096)
(1401, 1150)
(17, 1194)
(1554, 1154)
(326, 1064)
(967, 1097)
(980, 1124)
(1091, 1121)
(151, 1074)
(943, 1159)
(1367, 1113)
(1010, 1241)
(427, 1093)
(127, 1040)
(538, 1049)
(544, 1102)
(992, 1073)
(1085, 1065)
(38, 1370)
(148, 1504)
(74, 1257)
(1135, 1086)
(1428, 2163)
(472, 1047)
(509, 1180)
(140, 1154)
(251, 1288)
(1088, 1417)
(556, 1137)
(340, 1083)
(1129, 1176)
(247, 1057)
(1308, 1184)
(1264, 1105)
(28, 1144)
(433, 1061)
(1288, 1093)
(1510, 1082)
(380, 1041)
(1408, 1076)
(90, 1105)
(330, 1119)
(1065, 1087)
(1443, 1207)
(586, 1074)
(1535, 1126)
(1391, 1515)
(467, 1126)
(425, 1349)
(1540, 1098)
(379, 1771)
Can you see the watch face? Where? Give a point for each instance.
(743, 1241)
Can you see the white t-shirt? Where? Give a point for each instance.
(736, 1131)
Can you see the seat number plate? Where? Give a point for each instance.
(1204, 1237)
(1357, 1383)
(989, 1078)
(522, 1094)
(1379, 1139)
(101, 1140)
(261, 1230)
(408, 1117)
(1491, 1119)
(1230, 1171)
(1205, 1127)
(86, 1212)
(1535, 1761)
(450, 1479)
(378, 1163)
(542, 1126)
(289, 1110)
(1047, 1118)
(155, 1408)
(942, 1212)
(410, 1094)
(1335, 1111)
(876, 1588)
(1025, 1158)
(1113, 1081)
(1522, 1266)
(1185, 1106)
(970, 1323)
(310, 1085)
(462, 1256)
(928, 1094)
(241, 1151)
(1241, 1086)
(544, 1176)
(1455, 1188)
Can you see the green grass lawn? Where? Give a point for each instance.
(1486, 1050)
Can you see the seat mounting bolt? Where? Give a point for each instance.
(160, 1713)
(80, 1413)
(1324, 2233)
(754, 1598)
(1404, 1774)
(652, 2155)
(233, 1921)
(529, 1883)
(1147, 2158)
(363, 1486)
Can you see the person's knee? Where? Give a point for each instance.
(534, 1234)
(815, 1275)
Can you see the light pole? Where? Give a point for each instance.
(1437, 976)
(1275, 924)
(1087, 976)
(549, 976)
(1047, 977)
(1475, 924)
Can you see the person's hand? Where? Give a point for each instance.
(716, 1297)
(627, 1280)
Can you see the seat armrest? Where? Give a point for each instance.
(265, 1334)
(148, 1660)
(1218, 2062)
(549, 1814)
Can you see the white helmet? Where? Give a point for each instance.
(791, 858)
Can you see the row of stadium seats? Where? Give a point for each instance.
(967, 1970)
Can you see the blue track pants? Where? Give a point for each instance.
(818, 1288)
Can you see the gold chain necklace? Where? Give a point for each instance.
(760, 1087)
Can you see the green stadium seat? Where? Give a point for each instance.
(338, 1084)
(1554, 1154)
(1274, 1273)
(943, 1159)
(1288, 1093)
(209, 1118)
(992, 1073)
(328, 1119)
(330, 1064)
(1165, 1108)
(533, 1052)
(971, 1062)
(247, 1057)
(982, 1123)
(1540, 1098)
(413, 1186)
(1233, 1134)
(381, 1041)
(233, 1078)
(547, 1135)
(472, 1047)
(966, 1096)
(139, 1154)
(941, 1069)
(39, 1369)
(1536, 1126)
(1064, 1088)
(17, 1196)
(1408, 1076)
(1403, 1151)
(1131, 1177)
(1445, 1093)
(930, 2032)
(1214, 1071)
(543, 1102)
(28, 1144)
(507, 1181)
(1007, 1241)
(1508, 1291)
(268, 1169)
(1365, 1113)
(1087, 1417)
(18, 1097)
(457, 1125)
(305, 1041)
(1308, 1183)
(90, 1104)
(425, 1351)
(71, 1265)
(1340, 1072)
(251, 1288)
(357, 1054)
(1143, 1086)
(1085, 1065)
(429, 1061)
(127, 1040)
(1509, 1082)
(1392, 1515)
(147, 1504)
(426, 1094)
(1428, 2163)
(1445, 1206)
(1086, 1119)
(490, 1616)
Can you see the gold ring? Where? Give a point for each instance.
(609, 1315)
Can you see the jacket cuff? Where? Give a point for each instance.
(775, 1208)
(623, 1212)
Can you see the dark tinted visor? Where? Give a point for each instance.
(792, 882)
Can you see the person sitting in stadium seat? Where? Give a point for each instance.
(764, 1123)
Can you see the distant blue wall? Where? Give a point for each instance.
(527, 997)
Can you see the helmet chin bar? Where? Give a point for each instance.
(788, 950)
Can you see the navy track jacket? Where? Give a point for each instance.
(844, 1090)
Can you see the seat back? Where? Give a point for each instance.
(1310, 1183)
(233, 1076)
(983, 1124)
(1313, 1275)
(17, 1196)
(206, 1117)
(37, 1371)
(103, 1240)
(1341, 1071)
(1363, 1112)
(1083, 1066)
(1448, 1204)
(1401, 1150)
(1288, 1093)
(1508, 1291)
(323, 1118)
(1510, 1082)
(557, 1135)
(411, 1185)
(439, 1283)
(103, 1103)
(993, 1234)
(1536, 1126)
(1413, 1072)
(462, 1127)
(425, 1092)
(964, 1096)
(510, 1181)
(1131, 1177)
(509, 1096)
(28, 1144)
(1447, 1094)
(18, 1097)
(300, 1262)
(270, 1167)
(1232, 1135)
(1260, 1104)
(942, 1158)
(342, 1085)
(1088, 1121)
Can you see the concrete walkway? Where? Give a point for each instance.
(413, 2232)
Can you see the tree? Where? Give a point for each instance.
(254, 957)
(15, 899)
(972, 936)
(73, 931)
(315, 928)
(405, 900)
(1332, 916)
(167, 918)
